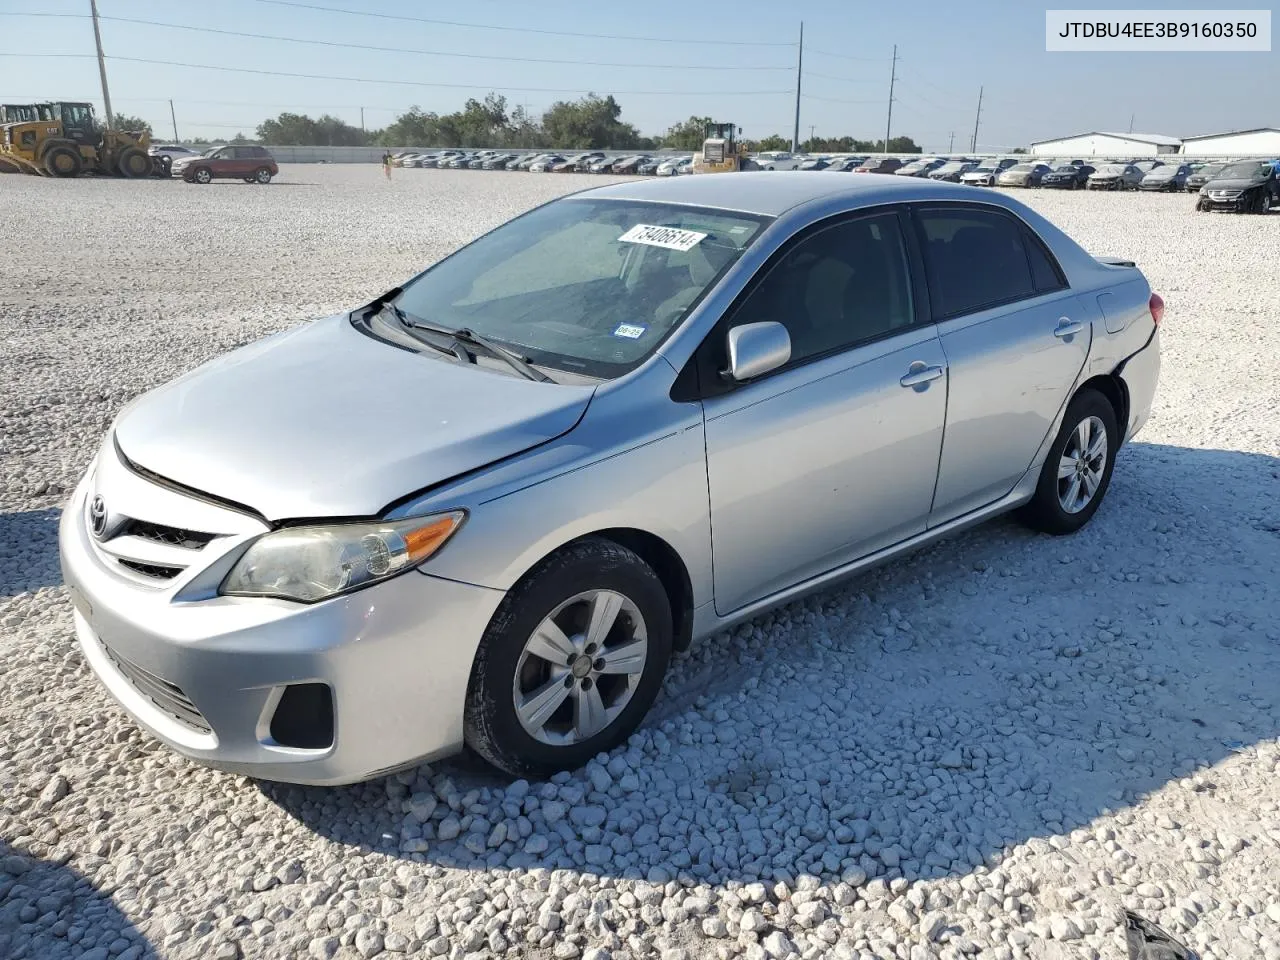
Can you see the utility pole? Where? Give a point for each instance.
(795, 134)
(362, 130)
(174, 117)
(973, 146)
(952, 143)
(1131, 117)
(812, 127)
(102, 64)
(893, 75)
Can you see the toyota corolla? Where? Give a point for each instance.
(486, 508)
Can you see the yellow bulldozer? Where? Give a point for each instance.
(721, 151)
(65, 140)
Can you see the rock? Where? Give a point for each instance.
(56, 789)
(1064, 928)
(596, 953)
(951, 759)
(422, 805)
(395, 942)
(777, 945)
(368, 943)
(932, 925)
(600, 779)
(714, 927)
(323, 948)
(438, 946)
(752, 921)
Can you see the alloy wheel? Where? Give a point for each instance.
(580, 668)
(1082, 465)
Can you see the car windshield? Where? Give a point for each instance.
(1210, 170)
(1065, 168)
(1249, 170)
(585, 285)
(1110, 169)
(1021, 168)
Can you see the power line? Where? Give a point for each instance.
(810, 96)
(550, 33)
(413, 50)
(403, 83)
(828, 76)
(826, 53)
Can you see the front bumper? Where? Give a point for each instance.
(396, 658)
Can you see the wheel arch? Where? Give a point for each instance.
(1113, 387)
(662, 558)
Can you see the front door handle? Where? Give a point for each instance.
(920, 374)
(1067, 327)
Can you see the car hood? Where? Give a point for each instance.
(324, 421)
(1233, 184)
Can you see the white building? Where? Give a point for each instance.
(1263, 142)
(1106, 145)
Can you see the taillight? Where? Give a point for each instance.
(1156, 306)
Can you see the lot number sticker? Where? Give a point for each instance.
(672, 238)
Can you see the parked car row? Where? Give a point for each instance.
(588, 162)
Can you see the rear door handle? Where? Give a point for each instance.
(1067, 328)
(920, 373)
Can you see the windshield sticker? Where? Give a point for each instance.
(629, 331)
(672, 238)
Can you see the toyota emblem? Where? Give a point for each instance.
(98, 517)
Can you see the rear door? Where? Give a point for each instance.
(1015, 339)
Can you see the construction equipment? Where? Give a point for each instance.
(64, 140)
(721, 151)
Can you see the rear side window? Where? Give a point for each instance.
(975, 258)
(1044, 271)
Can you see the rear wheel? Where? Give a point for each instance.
(63, 161)
(133, 163)
(262, 175)
(570, 662)
(1077, 471)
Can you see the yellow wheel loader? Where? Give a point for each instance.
(64, 140)
(721, 152)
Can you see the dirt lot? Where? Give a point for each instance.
(988, 748)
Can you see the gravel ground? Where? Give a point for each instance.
(988, 748)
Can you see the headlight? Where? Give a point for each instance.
(316, 562)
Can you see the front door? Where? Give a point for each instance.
(1015, 338)
(835, 455)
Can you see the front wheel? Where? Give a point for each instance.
(1077, 471)
(1264, 203)
(571, 661)
(203, 175)
(133, 163)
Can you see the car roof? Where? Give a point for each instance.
(768, 193)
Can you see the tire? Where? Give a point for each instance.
(1264, 203)
(572, 581)
(63, 161)
(1088, 413)
(163, 166)
(262, 175)
(133, 163)
(248, 179)
(202, 175)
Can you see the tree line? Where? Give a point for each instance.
(589, 123)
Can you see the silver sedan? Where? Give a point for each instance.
(488, 507)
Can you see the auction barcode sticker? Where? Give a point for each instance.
(672, 238)
(1150, 31)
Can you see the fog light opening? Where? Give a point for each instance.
(304, 717)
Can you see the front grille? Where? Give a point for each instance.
(174, 536)
(154, 570)
(168, 697)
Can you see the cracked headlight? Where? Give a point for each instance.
(312, 563)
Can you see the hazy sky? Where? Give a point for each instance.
(947, 51)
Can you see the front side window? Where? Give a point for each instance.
(841, 286)
(975, 260)
(586, 285)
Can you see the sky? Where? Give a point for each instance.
(733, 62)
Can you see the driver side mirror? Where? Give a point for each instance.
(756, 349)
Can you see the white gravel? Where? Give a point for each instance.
(988, 748)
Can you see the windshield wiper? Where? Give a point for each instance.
(470, 337)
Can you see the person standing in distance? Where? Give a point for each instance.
(386, 164)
